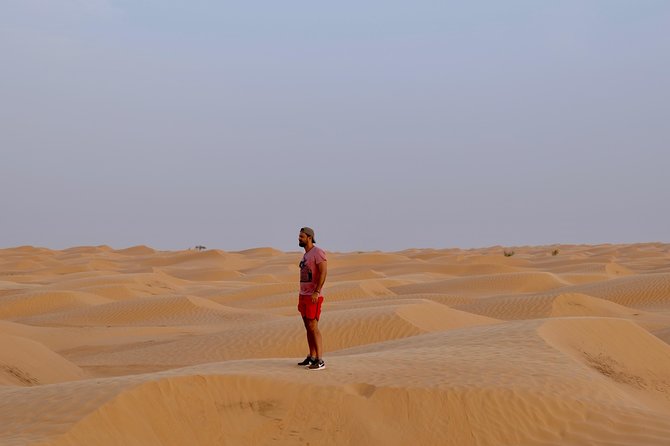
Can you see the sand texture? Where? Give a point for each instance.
(138, 346)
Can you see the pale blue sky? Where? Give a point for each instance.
(382, 124)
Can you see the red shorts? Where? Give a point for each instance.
(308, 309)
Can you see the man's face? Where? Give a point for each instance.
(302, 239)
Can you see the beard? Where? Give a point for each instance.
(302, 244)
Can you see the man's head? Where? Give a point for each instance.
(306, 237)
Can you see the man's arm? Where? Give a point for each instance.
(323, 272)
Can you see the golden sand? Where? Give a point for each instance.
(456, 347)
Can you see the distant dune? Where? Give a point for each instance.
(104, 346)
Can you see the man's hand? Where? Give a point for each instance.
(323, 272)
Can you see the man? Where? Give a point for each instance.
(313, 271)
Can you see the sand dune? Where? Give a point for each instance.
(487, 284)
(644, 290)
(138, 250)
(203, 274)
(248, 292)
(112, 292)
(620, 351)
(357, 289)
(24, 362)
(8, 288)
(141, 283)
(576, 304)
(582, 278)
(353, 274)
(186, 258)
(39, 302)
(374, 259)
(490, 396)
(263, 253)
(377, 322)
(151, 311)
(424, 346)
(546, 305)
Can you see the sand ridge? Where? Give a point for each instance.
(554, 345)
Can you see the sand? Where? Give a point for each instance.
(137, 346)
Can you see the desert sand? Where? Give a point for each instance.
(136, 346)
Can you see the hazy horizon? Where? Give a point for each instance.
(382, 125)
(297, 250)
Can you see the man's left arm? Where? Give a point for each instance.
(323, 272)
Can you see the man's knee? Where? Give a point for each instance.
(312, 325)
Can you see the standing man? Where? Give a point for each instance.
(313, 271)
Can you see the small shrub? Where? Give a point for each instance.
(508, 253)
(554, 252)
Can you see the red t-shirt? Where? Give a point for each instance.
(309, 271)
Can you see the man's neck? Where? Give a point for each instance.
(309, 247)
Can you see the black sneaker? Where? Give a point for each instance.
(317, 365)
(308, 361)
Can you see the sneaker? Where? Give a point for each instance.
(317, 365)
(308, 361)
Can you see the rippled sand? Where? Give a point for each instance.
(457, 347)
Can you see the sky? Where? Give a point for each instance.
(384, 125)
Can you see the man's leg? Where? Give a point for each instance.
(313, 330)
(310, 338)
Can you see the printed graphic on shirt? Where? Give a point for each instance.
(305, 271)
